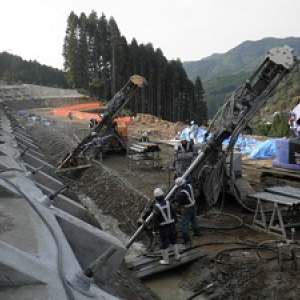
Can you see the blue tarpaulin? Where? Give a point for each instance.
(249, 146)
(22, 113)
(186, 131)
(265, 150)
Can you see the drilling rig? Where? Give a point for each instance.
(105, 133)
(244, 104)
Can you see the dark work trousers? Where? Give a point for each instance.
(168, 235)
(189, 217)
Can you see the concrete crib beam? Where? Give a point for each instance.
(88, 243)
(64, 203)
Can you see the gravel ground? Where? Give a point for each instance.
(235, 264)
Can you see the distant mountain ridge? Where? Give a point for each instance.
(242, 58)
(221, 74)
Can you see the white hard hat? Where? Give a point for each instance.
(158, 192)
(192, 122)
(180, 181)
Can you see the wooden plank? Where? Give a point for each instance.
(149, 147)
(138, 261)
(137, 157)
(137, 149)
(141, 261)
(155, 267)
(283, 172)
(63, 170)
(285, 191)
(274, 198)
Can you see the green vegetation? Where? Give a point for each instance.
(98, 59)
(277, 128)
(243, 58)
(223, 73)
(15, 70)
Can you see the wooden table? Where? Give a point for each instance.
(282, 199)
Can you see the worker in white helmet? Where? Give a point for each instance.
(164, 221)
(296, 120)
(145, 138)
(93, 123)
(188, 208)
(193, 132)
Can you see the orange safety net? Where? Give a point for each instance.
(77, 112)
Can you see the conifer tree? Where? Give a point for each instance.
(82, 69)
(70, 50)
(98, 58)
(115, 43)
(199, 108)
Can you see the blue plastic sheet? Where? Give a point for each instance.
(186, 131)
(22, 113)
(265, 150)
(248, 146)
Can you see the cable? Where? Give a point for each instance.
(259, 246)
(214, 179)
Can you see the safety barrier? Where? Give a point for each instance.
(77, 112)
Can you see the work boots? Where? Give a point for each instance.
(176, 252)
(165, 256)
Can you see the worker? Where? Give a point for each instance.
(144, 138)
(164, 221)
(70, 115)
(187, 146)
(178, 136)
(114, 126)
(193, 133)
(148, 228)
(97, 142)
(92, 123)
(296, 120)
(188, 207)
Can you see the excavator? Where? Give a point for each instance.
(232, 118)
(105, 134)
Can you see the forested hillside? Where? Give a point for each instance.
(15, 70)
(242, 58)
(223, 73)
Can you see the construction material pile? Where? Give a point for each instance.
(156, 127)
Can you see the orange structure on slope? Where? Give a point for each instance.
(77, 111)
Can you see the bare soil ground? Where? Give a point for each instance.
(239, 262)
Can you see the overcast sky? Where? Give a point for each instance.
(184, 29)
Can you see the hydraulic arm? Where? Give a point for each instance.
(103, 129)
(236, 113)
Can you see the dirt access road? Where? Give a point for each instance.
(239, 262)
